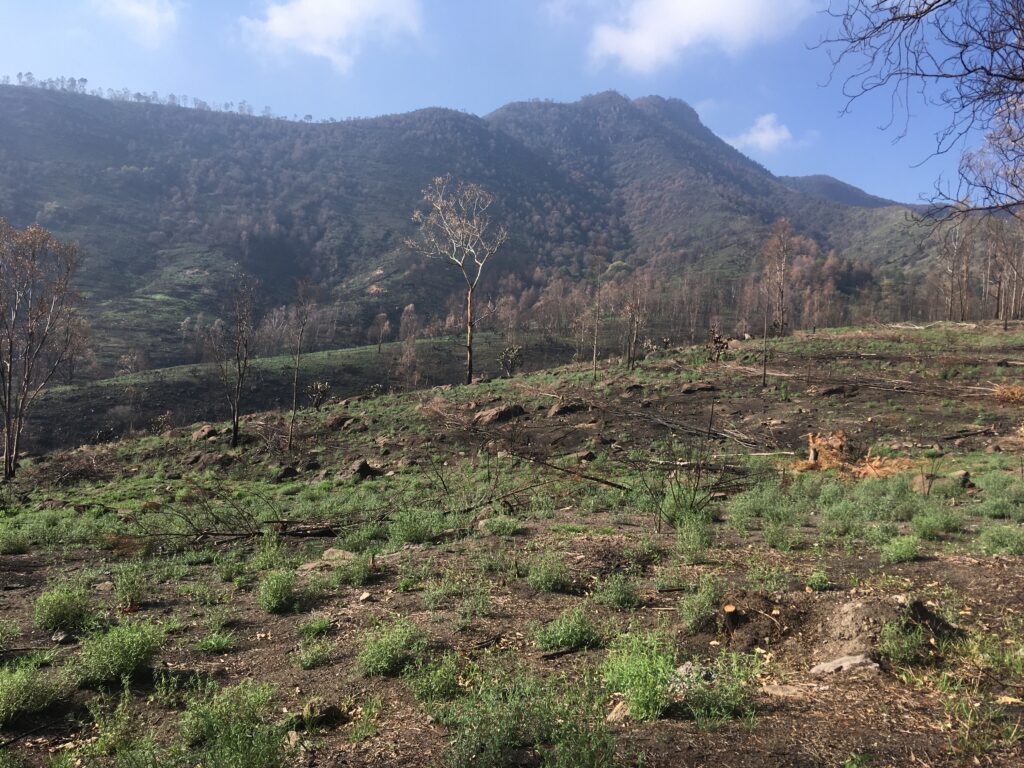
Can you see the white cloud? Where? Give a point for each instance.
(152, 21)
(650, 34)
(767, 134)
(332, 29)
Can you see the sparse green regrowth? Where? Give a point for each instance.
(276, 592)
(355, 572)
(131, 584)
(314, 653)
(389, 648)
(122, 651)
(618, 591)
(1002, 540)
(574, 629)
(640, 666)
(902, 549)
(436, 682)
(719, 690)
(9, 632)
(14, 541)
(26, 690)
(503, 525)
(903, 641)
(507, 714)
(694, 536)
(217, 641)
(233, 727)
(317, 626)
(818, 581)
(65, 607)
(699, 609)
(549, 573)
(766, 577)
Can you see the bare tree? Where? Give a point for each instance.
(379, 330)
(454, 227)
(231, 343)
(966, 56)
(305, 303)
(37, 323)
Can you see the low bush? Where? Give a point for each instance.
(389, 648)
(1002, 539)
(548, 573)
(121, 652)
(26, 690)
(719, 690)
(232, 728)
(640, 666)
(618, 591)
(699, 609)
(572, 630)
(276, 592)
(503, 525)
(902, 549)
(65, 607)
(314, 653)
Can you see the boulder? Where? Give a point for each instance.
(497, 415)
(205, 432)
(565, 407)
(360, 470)
(844, 664)
(286, 473)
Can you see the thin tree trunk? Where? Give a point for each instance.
(764, 352)
(597, 321)
(469, 335)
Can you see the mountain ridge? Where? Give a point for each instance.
(169, 202)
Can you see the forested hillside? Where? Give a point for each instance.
(168, 202)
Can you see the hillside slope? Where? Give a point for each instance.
(167, 202)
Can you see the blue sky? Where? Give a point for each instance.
(748, 66)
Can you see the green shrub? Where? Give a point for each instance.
(572, 630)
(122, 651)
(1002, 539)
(503, 525)
(314, 653)
(14, 541)
(389, 648)
(131, 584)
(699, 609)
(318, 626)
(436, 682)
(720, 690)
(26, 690)
(694, 536)
(9, 631)
(902, 549)
(819, 581)
(232, 728)
(640, 666)
(548, 573)
(66, 607)
(618, 591)
(416, 526)
(217, 641)
(355, 572)
(276, 592)
(508, 716)
(932, 524)
(902, 641)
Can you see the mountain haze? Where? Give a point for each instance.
(167, 202)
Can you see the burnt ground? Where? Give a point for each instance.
(575, 463)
